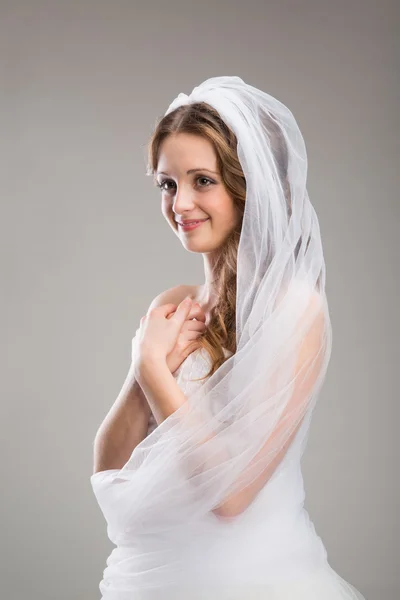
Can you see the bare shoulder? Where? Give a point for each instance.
(174, 295)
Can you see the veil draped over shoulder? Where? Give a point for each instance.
(244, 419)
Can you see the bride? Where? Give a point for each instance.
(198, 463)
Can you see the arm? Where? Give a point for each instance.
(165, 397)
(126, 424)
(307, 370)
(124, 427)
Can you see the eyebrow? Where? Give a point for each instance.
(189, 172)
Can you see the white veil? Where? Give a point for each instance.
(236, 425)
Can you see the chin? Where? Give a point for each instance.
(195, 246)
(200, 246)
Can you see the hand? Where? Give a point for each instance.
(158, 333)
(187, 343)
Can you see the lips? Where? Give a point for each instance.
(191, 222)
(188, 226)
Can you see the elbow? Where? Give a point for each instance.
(229, 510)
(224, 515)
(237, 504)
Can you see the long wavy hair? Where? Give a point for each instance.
(203, 120)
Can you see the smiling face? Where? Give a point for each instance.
(192, 189)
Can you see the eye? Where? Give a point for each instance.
(205, 179)
(161, 184)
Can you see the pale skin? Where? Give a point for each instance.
(126, 423)
(165, 327)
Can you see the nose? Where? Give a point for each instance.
(184, 200)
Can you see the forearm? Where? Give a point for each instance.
(164, 397)
(124, 427)
(161, 391)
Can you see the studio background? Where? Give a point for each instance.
(85, 249)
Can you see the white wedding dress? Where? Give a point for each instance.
(287, 551)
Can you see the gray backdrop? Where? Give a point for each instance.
(85, 249)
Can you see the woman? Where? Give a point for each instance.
(206, 498)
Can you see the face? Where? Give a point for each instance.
(192, 189)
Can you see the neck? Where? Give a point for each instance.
(208, 291)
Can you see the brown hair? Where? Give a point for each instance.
(202, 119)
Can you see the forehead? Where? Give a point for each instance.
(181, 152)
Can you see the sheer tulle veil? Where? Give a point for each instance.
(235, 425)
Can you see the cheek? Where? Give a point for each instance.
(223, 210)
(167, 213)
(165, 209)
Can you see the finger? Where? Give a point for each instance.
(164, 309)
(192, 335)
(197, 312)
(182, 311)
(194, 326)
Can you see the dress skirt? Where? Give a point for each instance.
(324, 584)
